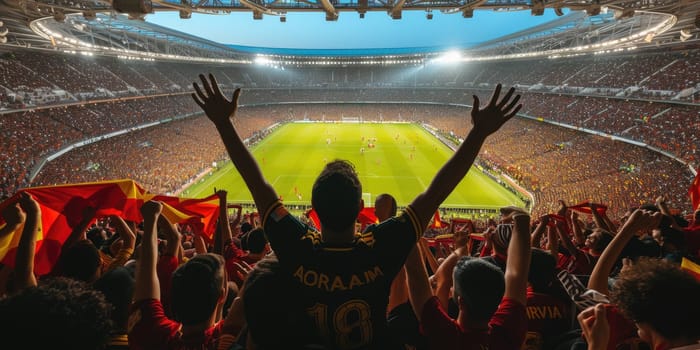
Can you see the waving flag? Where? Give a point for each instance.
(585, 207)
(201, 214)
(365, 217)
(62, 209)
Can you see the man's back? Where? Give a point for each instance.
(346, 286)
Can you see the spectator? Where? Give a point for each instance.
(336, 198)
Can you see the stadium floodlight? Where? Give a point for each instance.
(429, 14)
(449, 57)
(184, 14)
(283, 18)
(257, 15)
(468, 13)
(263, 61)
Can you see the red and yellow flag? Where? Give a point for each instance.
(437, 221)
(366, 217)
(200, 213)
(694, 191)
(62, 209)
(691, 267)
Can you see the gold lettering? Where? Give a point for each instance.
(543, 312)
(371, 275)
(323, 282)
(556, 313)
(300, 274)
(314, 275)
(312, 278)
(355, 282)
(530, 316)
(337, 284)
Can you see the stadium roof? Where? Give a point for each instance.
(592, 26)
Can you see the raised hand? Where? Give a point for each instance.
(643, 220)
(28, 203)
(217, 107)
(489, 119)
(594, 326)
(221, 193)
(13, 215)
(151, 209)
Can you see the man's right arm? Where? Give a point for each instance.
(219, 110)
(485, 122)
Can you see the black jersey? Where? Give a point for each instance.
(345, 287)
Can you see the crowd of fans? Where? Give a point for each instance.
(597, 168)
(654, 75)
(572, 276)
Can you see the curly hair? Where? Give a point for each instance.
(658, 293)
(59, 313)
(336, 195)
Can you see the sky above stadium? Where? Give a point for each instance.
(377, 30)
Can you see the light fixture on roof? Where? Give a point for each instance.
(185, 13)
(685, 34)
(468, 13)
(593, 10)
(133, 7)
(624, 13)
(649, 37)
(58, 15)
(362, 6)
(537, 7)
(283, 18)
(3, 33)
(429, 14)
(257, 15)
(90, 15)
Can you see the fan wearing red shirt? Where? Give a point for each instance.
(492, 311)
(197, 295)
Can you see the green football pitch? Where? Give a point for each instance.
(401, 160)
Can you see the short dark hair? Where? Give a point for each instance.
(80, 261)
(117, 285)
(336, 195)
(256, 240)
(604, 240)
(658, 293)
(59, 313)
(266, 313)
(196, 288)
(481, 286)
(542, 270)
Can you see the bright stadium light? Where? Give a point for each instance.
(449, 57)
(262, 60)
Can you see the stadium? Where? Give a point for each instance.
(91, 92)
